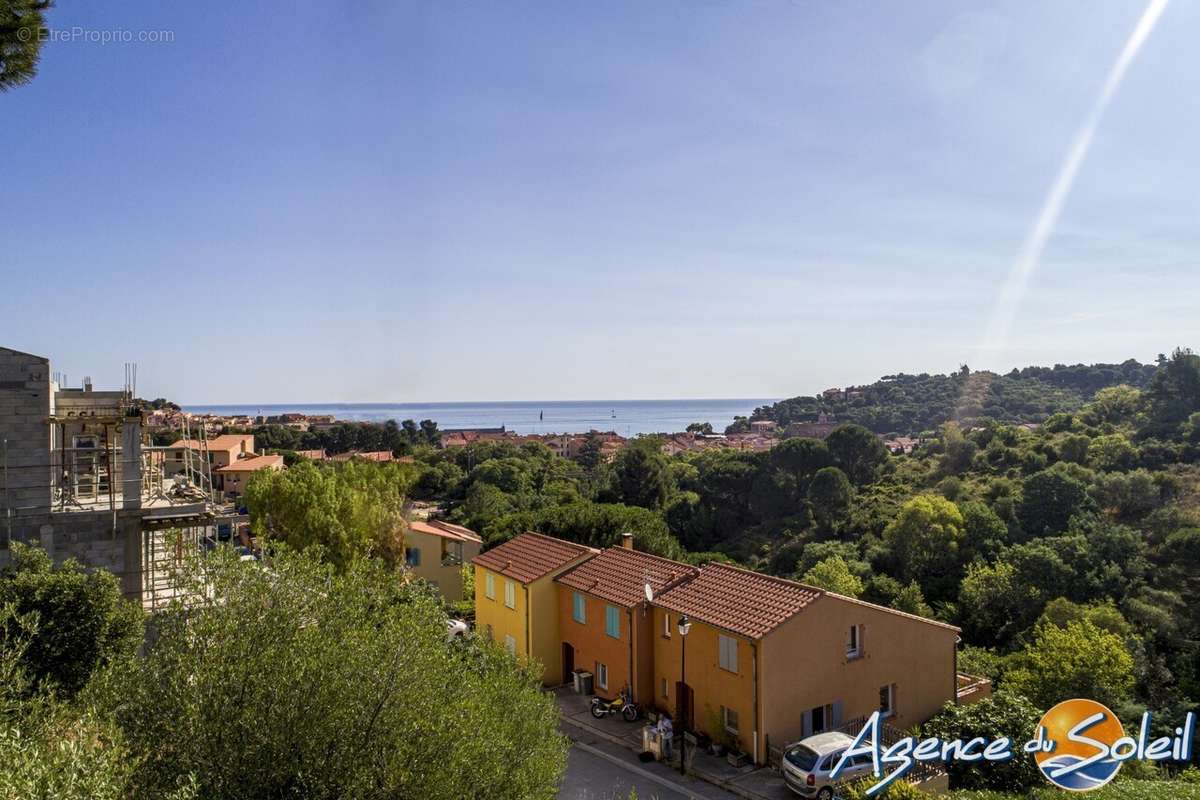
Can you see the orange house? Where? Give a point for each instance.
(605, 622)
(768, 661)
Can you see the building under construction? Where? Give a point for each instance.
(80, 478)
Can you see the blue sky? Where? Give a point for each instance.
(471, 201)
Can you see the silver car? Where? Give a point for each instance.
(807, 765)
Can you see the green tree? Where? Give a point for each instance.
(958, 452)
(22, 31)
(593, 524)
(924, 541)
(1174, 393)
(48, 748)
(1115, 404)
(590, 452)
(1004, 714)
(1050, 498)
(80, 619)
(994, 604)
(327, 685)
(800, 457)
(643, 474)
(984, 533)
(1078, 660)
(703, 428)
(834, 575)
(1112, 453)
(830, 493)
(1073, 448)
(350, 510)
(857, 451)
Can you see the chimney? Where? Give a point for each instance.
(627, 541)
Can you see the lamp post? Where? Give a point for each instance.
(683, 627)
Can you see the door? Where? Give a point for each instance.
(568, 660)
(683, 706)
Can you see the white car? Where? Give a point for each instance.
(807, 765)
(456, 628)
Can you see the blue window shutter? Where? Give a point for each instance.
(806, 725)
(612, 622)
(837, 714)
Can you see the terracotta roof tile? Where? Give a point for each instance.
(747, 603)
(529, 556)
(619, 575)
(445, 530)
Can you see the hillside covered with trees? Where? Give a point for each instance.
(909, 404)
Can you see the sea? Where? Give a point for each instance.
(626, 417)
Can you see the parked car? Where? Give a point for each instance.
(807, 765)
(456, 629)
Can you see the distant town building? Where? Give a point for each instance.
(437, 550)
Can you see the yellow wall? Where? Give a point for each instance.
(712, 686)
(536, 633)
(804, 665)
(448, 578)
(504, 621)
(544, 640)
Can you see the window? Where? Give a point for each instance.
(728, 652)
(612, 621)
(854, 642)
(887, 700)
(489, 586)
(665, 693)
(412, 556)
(666, 626)
(510, 593)
(731, 720)
(579, 610)
(510, 644)
(602, 675)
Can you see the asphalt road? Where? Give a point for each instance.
(602, 771)
(592, 777)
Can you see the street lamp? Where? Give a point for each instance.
(683, 627)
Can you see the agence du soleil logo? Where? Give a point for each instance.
(1079, 746)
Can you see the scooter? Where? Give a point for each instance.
(618, 705)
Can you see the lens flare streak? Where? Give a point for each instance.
(1013, 291)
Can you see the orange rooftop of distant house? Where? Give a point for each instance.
(435, 527)
(226, 441)
(529, 556)
(619, 575)
(747, 603)
(252, 464)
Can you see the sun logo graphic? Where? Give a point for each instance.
(1080, 745)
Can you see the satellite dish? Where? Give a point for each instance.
(649, 593)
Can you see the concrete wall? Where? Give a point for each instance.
(25, 403)
(88, 537)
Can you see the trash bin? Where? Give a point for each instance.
(575, 681)
(585, 682)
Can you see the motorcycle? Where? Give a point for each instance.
(620, 704)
